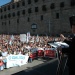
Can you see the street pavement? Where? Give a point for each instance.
(37, 67)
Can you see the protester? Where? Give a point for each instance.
(30, 56)
(1, 62)
(4, 54)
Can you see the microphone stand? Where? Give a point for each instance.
(60, 68)
(64, 66)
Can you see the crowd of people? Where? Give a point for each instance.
(15, 46)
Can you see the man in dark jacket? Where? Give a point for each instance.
(70, 50)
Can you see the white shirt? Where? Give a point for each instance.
(4, 54)
(1, 57)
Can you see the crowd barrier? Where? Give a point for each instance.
(51, 53)
(40, 53)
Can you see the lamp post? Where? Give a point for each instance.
(49, 26)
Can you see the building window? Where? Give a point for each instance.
(13, 6)
(8, 7)
(28, 19)
(13, 14)
(2, 23)
(57, 15)
(29, 10)
(17, 20)
(35, 1)
(9, 21)
(9, 15)
(1, 17)
(52, 6)
(18, 4)
(5, 16)
(62, 4)
(23, 12)
(29, 1)
(1, 10)
(44, 8)
(41, 17)
(23, 3)
(4, 8)
(18, 13)
(36, 9)
(72, 2)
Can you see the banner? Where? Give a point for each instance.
(28, 37)
(16, 60)
(23, 38)
(37, 38)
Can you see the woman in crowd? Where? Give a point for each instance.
(1, 62)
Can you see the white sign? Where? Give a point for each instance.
(23, 37)
(28, 37)
(16, 60)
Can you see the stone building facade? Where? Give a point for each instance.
(36, 16)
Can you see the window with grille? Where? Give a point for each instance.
(8, 7)
(62, 4)
(57, 15)
(36, 9)
(5, 16)
(4, 8)
(23, 12)
(1, 16)
(17, 20)
(52, 6)
(28, 19)
(18, 13)
(44, 8)
(35, 1)
(9, 15)
(72, 2)
(18, 4)
(13, 6)
(1, 10)
(13, 14)
(23, 3)
(29, 10)
(9, 21)
(29, 1)
(41, 17)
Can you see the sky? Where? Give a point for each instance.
(2, 2)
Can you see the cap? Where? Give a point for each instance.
(72, 20)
